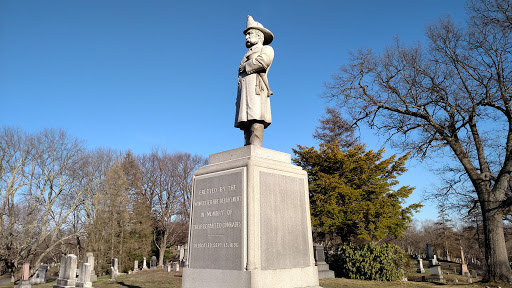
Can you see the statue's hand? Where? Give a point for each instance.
(241, 69)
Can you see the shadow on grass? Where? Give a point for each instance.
(127, 285)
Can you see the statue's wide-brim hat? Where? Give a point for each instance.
(267, 35)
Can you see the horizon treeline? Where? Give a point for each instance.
(57, 197)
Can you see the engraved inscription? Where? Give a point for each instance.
(218, 201)
(218, 225)
(217, 222)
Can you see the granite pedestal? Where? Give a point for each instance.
(250, 223)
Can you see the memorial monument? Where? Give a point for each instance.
(250, 222)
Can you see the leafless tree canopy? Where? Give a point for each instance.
(57, 197)
(167, 184)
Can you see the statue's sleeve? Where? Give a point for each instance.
(261, 62)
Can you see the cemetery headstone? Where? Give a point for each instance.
(40, 275)
(433, 261)
(114, 269)
(89, 258)
(323, 267)
(112, 273)
(167, 267)
(469, 280)
(430, 254)
(463, 266)
(135, 266)
(25, 274)
(420, 268)
(144, 265)
(176, 266)
(436, 274)
(67, 272)
(84, 278)
(153, 262)
(182, 252)
(183, 255)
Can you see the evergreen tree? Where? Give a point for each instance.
(352, 193)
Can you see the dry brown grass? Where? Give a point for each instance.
(160, 279)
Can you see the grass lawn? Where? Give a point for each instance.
(160, 279)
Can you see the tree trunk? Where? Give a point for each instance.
(496, 256)
(163, 245)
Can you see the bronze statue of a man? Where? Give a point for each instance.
(253, 97)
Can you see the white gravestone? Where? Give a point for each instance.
(114, 269)
(420, 266)
(183, 253)
(84, 279)
(144, 265)
(89, 258)
(67, 272)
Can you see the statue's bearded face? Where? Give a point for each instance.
(253, 37)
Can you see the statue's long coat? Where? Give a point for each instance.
(253, 97)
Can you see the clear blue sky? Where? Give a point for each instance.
(142, 74)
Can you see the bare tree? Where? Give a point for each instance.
(454, 94)
(167, 181)
(17, 155)
(40, 193)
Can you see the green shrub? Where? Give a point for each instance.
(368, 262)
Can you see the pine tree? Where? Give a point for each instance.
(352, 192)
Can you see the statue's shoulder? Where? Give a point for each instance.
(266, 49)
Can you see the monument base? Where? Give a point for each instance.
(250, 223)
(293, 278)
